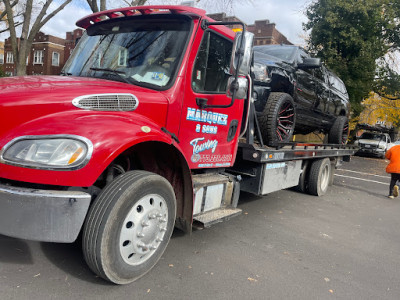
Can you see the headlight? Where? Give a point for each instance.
(260, 73)
(48, 152)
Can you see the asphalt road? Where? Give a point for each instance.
(287, 245)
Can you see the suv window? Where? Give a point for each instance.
(337, 83)
(211, 69)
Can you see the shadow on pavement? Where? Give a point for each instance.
(69, 258)
(365, 190)
(14, 251)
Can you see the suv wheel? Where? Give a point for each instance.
(277, 119)
(339, 132)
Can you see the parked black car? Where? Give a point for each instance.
(294, 93)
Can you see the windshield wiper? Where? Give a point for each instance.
(116, 72)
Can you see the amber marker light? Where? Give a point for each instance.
(75, 156)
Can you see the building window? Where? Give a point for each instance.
(8, 73)
(10, 58)
(55, 60)
(38, 57)
(1, 58)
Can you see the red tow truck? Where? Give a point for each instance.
(151, 127)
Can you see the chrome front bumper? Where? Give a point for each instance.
(42, 215)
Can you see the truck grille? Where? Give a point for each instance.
(107, 102)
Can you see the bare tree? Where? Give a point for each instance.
(220, 5)
(94, 6)
(31, 24)
(4, 24)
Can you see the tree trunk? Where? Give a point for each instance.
(23, 51)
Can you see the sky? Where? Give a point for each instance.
(286, 14)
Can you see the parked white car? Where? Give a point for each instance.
(373, 143)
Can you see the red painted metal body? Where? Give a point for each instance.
(42, 105)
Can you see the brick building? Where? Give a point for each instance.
(265, 32)
(71, 40)
(47, 55)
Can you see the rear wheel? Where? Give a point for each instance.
(303, 179)
(129, 226)
(319, 177)
(277, 120)
(339, 132)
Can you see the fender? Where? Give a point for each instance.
(110, 132)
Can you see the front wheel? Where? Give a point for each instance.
(129, 226)
(277, 120)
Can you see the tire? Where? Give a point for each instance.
(278, 119)
(129, 226)
(302, 187)
(339, 132)
(319, 177)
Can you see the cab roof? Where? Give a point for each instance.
(140, 10)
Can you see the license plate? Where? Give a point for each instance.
(367, 146)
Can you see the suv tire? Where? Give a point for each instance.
(339, 131)
(278, 119)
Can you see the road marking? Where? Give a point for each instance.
(363, 173)
(362, 179)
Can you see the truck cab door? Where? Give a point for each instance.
(209, 136)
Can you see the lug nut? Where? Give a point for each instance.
(142, 246)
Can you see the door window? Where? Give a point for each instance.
(211, 69)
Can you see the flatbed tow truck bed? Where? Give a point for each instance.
(294, 151)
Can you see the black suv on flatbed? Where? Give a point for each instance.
(295, 93)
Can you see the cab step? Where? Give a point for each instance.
(216, 216)
(216, 197)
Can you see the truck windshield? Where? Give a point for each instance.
(143, 50)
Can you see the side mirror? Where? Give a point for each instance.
(310, 63)
(240, 85)
(242, 54)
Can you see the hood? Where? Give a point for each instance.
(26, 98)
(370, 142)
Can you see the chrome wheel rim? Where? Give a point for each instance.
(143, 229)
(285, 121)
(325, 178)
